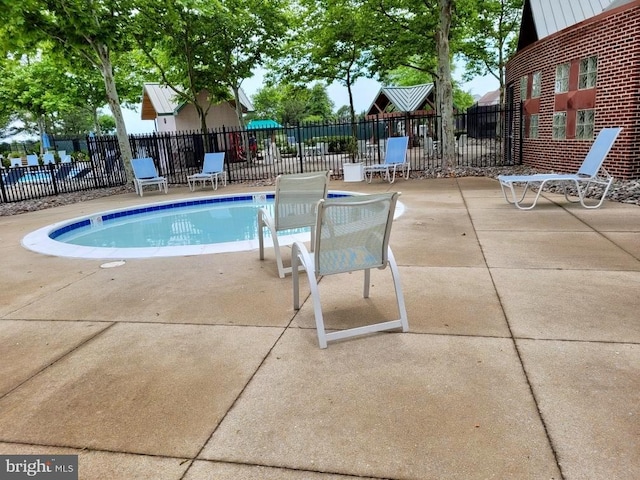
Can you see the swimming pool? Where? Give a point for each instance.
(36, 177)
(173, 228)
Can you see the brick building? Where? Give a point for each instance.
(576, 71)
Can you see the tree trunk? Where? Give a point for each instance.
(352, 147)
(114, 104)
(41, 128)
(444, 92)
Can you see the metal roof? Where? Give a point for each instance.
(551, 16)
(403, 99)
(159, 100)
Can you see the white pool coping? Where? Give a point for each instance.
(39, 240)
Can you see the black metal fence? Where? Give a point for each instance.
(484, 138)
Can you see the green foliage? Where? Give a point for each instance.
(204, 46)
(490, 37)
(292, 104)
(404, 76)
(107, 124)
(331, 43)
(461, 99)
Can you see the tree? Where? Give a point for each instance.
(32, 88)
(91, 29)
(291, 104)
(208, 48)
(331, 43)
(491, 37)
(182, 50)
(403, 40)
(319, 104)
(444, 92)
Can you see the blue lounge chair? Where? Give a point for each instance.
(145, 173)
(212, 169)
(351, 234)
(395, 159)
(32, 161)
(48, 158)
(587, 176)
(13, 176)
(64, 171)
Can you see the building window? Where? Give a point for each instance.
(533, 126)
(560, 125)
(523, 88)
(584, 124)
(536, 85)
(562, 78)
(588, 72)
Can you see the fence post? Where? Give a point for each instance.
(300, 147)
(54, 180)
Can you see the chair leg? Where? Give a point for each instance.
(514, 196)
(367, 282)
(395, 273)
(582, 193)
(299, 254)
(265, 221)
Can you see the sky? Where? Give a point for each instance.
(364, 92)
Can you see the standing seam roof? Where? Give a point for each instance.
(406, 99)
(551, 16)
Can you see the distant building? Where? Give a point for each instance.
(575, 72)
(159, 103)
(489, 98)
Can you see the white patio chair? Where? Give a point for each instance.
(395, 158)
(295, 203)
(351, 234)
(145, 173)
(212, 170)
(586, 177)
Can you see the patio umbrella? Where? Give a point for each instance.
(256, 124)
(45, 142)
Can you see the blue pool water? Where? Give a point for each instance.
(36, 177)
(197, 226)
(177, 224)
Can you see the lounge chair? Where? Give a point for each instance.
(145, 173)
(13, 176)
(32, 161)
(295, 203)
(395, 159)
(212, 169)
(64, 171)
(48, 158)
(351, 234)
(587, 176)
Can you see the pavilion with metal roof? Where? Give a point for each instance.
(393, 100)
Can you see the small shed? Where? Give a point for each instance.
(160, 103)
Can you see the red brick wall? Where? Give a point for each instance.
(614, 37)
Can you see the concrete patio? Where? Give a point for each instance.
(522, 360)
